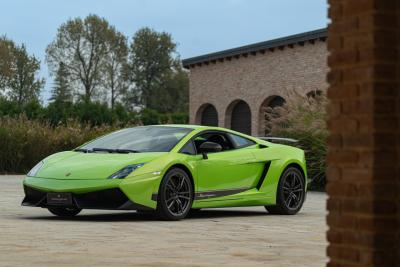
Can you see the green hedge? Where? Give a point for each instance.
(25, 142)
(92, 113)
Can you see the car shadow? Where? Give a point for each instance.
(218, 213)
(148, 216)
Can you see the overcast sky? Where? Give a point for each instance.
(198, 26)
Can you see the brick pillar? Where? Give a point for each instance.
(363, 158)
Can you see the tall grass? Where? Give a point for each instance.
(303, 118)
(24, 142)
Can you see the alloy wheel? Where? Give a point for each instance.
(177, 194)
(293, 191)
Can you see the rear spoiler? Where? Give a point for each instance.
(277, 139)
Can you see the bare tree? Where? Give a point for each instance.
(116, 62)
(82, 46)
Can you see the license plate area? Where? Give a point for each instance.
(62, 199)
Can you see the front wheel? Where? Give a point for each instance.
(64, 212)
(175, 195)
(290, 194)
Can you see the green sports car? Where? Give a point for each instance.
(170, 169)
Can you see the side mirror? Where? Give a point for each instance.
(209, 147)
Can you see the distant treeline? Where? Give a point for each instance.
(88, 114)
(100, 76)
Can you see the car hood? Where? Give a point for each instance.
(77, 165)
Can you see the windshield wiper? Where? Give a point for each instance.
(117, 150)
(84, 150)
(122, 150)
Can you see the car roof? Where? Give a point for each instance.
(202, 127)
(189, 126)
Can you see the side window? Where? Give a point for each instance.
(189, 149)
(219, 138)
(240, 141)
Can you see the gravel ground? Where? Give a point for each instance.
(213, 237)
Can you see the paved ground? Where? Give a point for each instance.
(235, 237)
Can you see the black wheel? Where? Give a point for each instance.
(175, 195)
(291, 193)
(64, 212)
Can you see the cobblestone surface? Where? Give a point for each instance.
(214, 237)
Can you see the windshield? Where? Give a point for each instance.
(139, 139)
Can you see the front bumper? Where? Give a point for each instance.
(117, 194)
(110, 199)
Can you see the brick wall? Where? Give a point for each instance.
(255, 78)
(363, 158)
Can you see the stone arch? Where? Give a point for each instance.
(270, 102)
(238, 116)
(207, 115)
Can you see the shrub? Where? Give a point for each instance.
(150, 116)
(179, 118)
(30, 132)
(303, 118)
(25, 142)
(93, 113)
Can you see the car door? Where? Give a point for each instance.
(232, 169)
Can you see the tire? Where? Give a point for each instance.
(175, 196)
(64, 212)
(291, 193)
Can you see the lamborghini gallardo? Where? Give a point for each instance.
(170, 170)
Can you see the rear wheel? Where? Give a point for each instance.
(291, 193)
(64, 212)
(175, 195)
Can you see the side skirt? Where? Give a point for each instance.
(218, 193)
(212, 193)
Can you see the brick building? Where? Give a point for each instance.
(364, 125)
(232, 88)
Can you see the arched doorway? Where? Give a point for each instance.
(207, 115)
(266, 110)
(238, 115)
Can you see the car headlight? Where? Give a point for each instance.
(125, 171)
(35, 169)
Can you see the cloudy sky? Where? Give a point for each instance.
(198, 26)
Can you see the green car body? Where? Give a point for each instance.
(244, 176)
